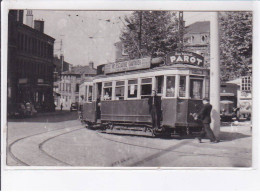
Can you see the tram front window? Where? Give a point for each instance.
(132, 88)
(170, 86)
(120, 90)
(182, 86)
(196, 89)
(146, 87)
(107, 91)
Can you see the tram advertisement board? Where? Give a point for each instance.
(184, 57)
(128, 65)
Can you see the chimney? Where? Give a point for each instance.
(91, 64)
(29, 18)
(39, 25)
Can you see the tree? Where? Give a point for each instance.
(235, 44)
(159, 33)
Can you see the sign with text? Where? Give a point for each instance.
(135, 64)
(183, 57)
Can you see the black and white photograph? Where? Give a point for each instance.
(128, 89)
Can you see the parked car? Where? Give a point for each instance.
(17, 110)
(74, 106)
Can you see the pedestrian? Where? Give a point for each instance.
(155, 109)
(61, 106)
(205, 117)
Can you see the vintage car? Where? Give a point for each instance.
(74, 106)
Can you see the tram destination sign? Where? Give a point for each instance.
(183, 57)
(135, 64)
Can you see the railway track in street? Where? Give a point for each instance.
(39, 146)
(33, 145)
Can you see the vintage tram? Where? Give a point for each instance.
(117, 98)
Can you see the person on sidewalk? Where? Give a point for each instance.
(204, 116)
(61, 106)
(155, 109)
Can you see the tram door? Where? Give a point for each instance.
(98, 101)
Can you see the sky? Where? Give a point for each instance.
(90, 35)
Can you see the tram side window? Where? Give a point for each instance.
(146, 88)
(86, 89)
(170, 86)
(90, 94)
(132, 88)
(107, 92)
(196, 89)
(120, 90)
(182, 86)
(159, 84)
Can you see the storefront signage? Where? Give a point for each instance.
(183, 57)
(128, 65)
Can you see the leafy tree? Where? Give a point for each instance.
(159, 34)
(235, 44)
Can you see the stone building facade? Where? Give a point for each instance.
(197, 39)
(69, 84)
(30, 63)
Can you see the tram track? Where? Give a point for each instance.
(172, 149)
(40, 145)
(159, 151)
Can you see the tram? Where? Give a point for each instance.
(117, 98)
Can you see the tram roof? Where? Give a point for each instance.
(159, 68)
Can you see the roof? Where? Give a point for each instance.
(235, 81)
(79, 70)
(198, 27)
(227, 94)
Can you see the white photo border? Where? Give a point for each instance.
(81, 178)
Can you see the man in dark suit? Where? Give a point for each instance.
(155, 109)
(204, 116)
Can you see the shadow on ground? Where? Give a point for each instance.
(52, 117)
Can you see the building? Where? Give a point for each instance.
(30, 62)
(60, 65)
(197, 39)
(69, 84)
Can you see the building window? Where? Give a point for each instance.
(191, 39)
(204, 38)
(107, 91)
(170, 86)
(132, 88)
(120, 90)
(182, 86)
(246, 83)
(77, 88)
(146, 87)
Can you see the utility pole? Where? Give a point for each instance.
(215, 73)
(181, 31)
(140, 31)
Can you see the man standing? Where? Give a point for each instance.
(155, 109)
(204, 116)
